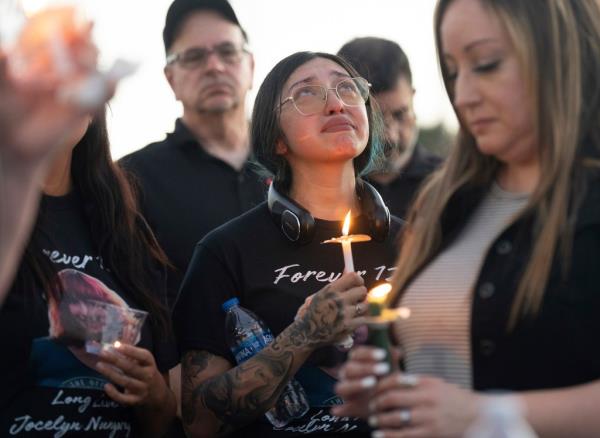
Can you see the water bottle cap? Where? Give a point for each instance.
(232, 302)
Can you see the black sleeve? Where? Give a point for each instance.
(165, 352)
(165, 347)
(198, 318)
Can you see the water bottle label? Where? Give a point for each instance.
(250, 346)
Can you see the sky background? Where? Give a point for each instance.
(144, 109)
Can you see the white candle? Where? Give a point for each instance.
(348, 260)
(346, 241)
(347, 244)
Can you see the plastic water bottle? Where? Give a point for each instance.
(501, 417)
(246, 335)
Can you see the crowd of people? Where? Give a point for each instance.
(492, 248)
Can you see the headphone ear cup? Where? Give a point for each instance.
(380, 223)
(377, 213)
(290, 225)
(296, 223)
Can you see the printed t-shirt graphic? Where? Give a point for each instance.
(47, 388)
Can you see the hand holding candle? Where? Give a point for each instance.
(53, 45)
(54, 51)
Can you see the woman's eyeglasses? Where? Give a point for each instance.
(311, 99)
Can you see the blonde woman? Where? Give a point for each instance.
(500, 259)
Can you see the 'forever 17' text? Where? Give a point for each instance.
(294, 274)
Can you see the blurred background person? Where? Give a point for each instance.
(385, 65)
(198, 177)
(499, 259)
(88, 223)
(35, 119)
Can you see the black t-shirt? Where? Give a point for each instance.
(250, 258)
(187, 192)
(400, 193)
(47, 388)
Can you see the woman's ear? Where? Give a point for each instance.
(281, 148)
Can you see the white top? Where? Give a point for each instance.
(436, 339)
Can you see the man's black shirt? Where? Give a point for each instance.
(399, 193)
(186, 192)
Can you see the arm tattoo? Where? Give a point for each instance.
(323, 319)
(193, 364)
(238, 396)
(243, 393)
(234, 403)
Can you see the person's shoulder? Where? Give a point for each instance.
(147, 154)
(250, 226)
(427, 158)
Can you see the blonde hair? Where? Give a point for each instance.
(562, 37)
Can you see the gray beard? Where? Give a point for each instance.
(201, 109)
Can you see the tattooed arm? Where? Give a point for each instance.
(217, 399)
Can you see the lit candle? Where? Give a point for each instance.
(377, 297)
(381, 318)
(346, 241)
(347, 246)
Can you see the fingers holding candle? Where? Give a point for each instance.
(135, 378)
(330, 316)
(347, 341)
(359, 379)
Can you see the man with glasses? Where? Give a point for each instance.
(384, 64)
(198, 178)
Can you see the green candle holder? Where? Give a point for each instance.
(379, 323)
(379, 337)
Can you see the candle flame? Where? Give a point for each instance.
(403, 312)
(394, 314)
(346, 227)
(117, 344)
(379, 293)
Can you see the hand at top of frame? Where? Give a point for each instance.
(48, 83)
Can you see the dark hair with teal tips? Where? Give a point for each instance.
(265, 121)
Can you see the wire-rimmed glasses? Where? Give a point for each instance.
(311, 99)
(195, 57)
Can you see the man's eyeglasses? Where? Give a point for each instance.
(311, 99)
(198, 56)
